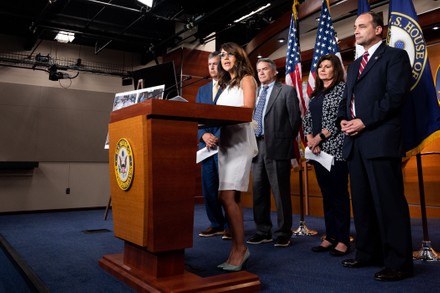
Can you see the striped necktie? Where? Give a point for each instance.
(258, 115)
(361, 68)
(214, 90)
(363, 63)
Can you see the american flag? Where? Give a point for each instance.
(294, 73)
(325, 43)
(293, 61)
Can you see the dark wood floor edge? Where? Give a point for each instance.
(30, 276)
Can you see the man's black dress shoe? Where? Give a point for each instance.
(355, 263)
(320, 248)
(391, 275)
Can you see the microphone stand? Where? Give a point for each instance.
(180, 86)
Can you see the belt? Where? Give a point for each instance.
(261, 137)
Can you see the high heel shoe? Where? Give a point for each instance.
(321, 248)
(336, 252)
(232, 268)
(222, 265)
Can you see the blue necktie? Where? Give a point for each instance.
(258, 115)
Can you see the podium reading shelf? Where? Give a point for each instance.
(155, 215)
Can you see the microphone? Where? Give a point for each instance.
(180, 86)
(177, 85)
(186, 77)
(196, 81)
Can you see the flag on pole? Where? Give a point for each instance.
(294, 72)
(363, 6)
(421, 120)
(325, 43)
(293, 61)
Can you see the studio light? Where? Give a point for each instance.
(127, 80)
(55, 75)
(251, 13)
(65, 37)
(148, 3)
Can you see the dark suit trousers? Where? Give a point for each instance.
(336, 201)
(381, 213)
(270, 174)
(210, 184)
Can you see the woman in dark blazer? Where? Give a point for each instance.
(323, 135)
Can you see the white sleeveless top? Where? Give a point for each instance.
(237, 146)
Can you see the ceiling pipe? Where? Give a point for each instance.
(109, 4)
(122, 33)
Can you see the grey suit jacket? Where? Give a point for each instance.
(282, 120)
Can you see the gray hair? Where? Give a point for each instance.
(268, 60)
(213, 54)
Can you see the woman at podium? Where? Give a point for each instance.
(237, 146)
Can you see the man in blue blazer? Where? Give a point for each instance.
(370, 115)
(208, 137)
(278, 128)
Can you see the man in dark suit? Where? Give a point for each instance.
(370, 116)
(208, 137)
(278, 116)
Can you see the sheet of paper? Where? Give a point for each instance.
(205, 153)
(325, 159)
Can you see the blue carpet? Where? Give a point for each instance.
(66, 259)
(10, 276)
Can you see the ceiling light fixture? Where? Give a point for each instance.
(65, 37)
(252, 13)
(149, 3)
(281, 40)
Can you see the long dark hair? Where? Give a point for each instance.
(242, 66)
(338, 74)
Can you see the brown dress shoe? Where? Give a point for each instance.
(211, 232)
(227, 235)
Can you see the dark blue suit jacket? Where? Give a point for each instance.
(380, 92)
(204, 96)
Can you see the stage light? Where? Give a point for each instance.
(41, 58)
(53, 73)
(251, 13)
(149, 3)
(127, 80)
(65, 37)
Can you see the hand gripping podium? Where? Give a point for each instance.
(154, 215)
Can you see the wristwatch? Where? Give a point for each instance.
(322, 136)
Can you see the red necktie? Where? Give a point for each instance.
(361, 68)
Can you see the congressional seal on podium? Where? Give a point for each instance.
(124, 164)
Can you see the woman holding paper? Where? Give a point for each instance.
(323, 136)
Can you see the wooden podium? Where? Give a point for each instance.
(155, 215)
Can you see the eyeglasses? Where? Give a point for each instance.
(224, 54)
